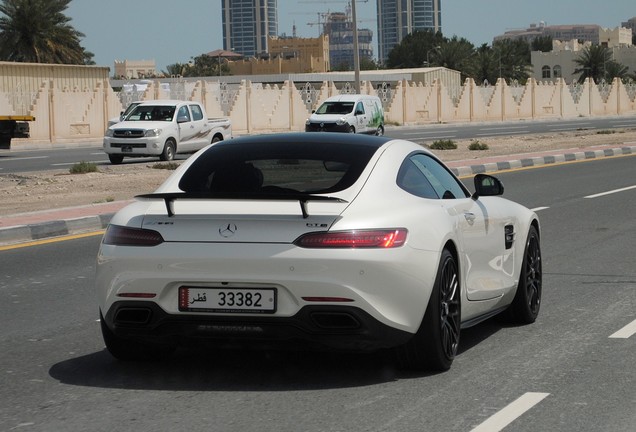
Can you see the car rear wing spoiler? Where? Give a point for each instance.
(170, 197)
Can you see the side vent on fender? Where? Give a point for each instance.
(509, 234)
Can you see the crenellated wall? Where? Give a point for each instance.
(76, 110)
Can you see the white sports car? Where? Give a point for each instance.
(341, 241)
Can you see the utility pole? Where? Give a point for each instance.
(356, 53)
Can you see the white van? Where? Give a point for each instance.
(352, 113)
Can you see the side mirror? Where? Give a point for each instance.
(487, 185)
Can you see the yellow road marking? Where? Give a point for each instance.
(51, 240)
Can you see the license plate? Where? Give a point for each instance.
(227, 300)
(126, 149)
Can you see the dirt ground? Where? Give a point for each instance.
(36, 191)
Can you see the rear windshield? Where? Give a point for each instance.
(275, 167)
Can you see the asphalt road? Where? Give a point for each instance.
(573, 370)
(15, 161)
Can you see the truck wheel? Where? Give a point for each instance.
(168, 151)
(352, 129)
(216, 139)
(115, 159)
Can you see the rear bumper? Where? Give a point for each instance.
(332, 327)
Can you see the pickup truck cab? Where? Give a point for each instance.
(164, 128)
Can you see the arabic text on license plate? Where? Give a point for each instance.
(253, 300)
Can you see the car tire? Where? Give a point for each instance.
(525, 307)
(128, 350)
(434, 346)
(379, 131)
(115, 159)
(352, 129)
(168, 151)
(216, 139)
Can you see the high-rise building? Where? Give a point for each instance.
(398, 18)
(247, 24)
(339, 28)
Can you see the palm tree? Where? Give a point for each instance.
(592, 63)
(37, 31)
(456, 54)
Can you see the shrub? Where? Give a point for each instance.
(167, 166)
(443, 145)
(605, 132)
(477, 145)
(83, 168)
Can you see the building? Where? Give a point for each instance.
(287, 55)
(580, 32)
(560, 62)
(135, 69)
(247, 24)
(399, 18)
(339, 28)
(630, 24)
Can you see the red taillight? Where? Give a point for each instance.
(328, 299)
(124, 236)
(137, 295)
(385, 238)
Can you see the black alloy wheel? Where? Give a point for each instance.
(525, 307)
(435, 344)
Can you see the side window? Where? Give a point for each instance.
(425, 177)
(183, 112)
(359, 108)
(197, 114)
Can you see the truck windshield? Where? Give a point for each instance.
(335, 108)
(152, 113)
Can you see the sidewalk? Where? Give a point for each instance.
(95, 217)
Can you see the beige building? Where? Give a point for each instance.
(559, 63)
(288, 55)
(616, 37)
(135, 69)
(581, 32)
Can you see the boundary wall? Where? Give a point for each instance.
(74, 106)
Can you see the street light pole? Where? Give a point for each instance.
(356, 53)
(435, 48)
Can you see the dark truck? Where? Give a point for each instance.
(13, 126)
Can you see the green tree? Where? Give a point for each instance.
(415, 50)
(37, 31)
(513, 59)
(542, 43)
(456, 53)
(484, 65)
(592, 63)
(614, 69)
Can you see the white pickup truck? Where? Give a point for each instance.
(164, 128)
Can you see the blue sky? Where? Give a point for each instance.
(170, 31)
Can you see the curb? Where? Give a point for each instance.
(54, 228)
(541, 160)
(97, 222)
